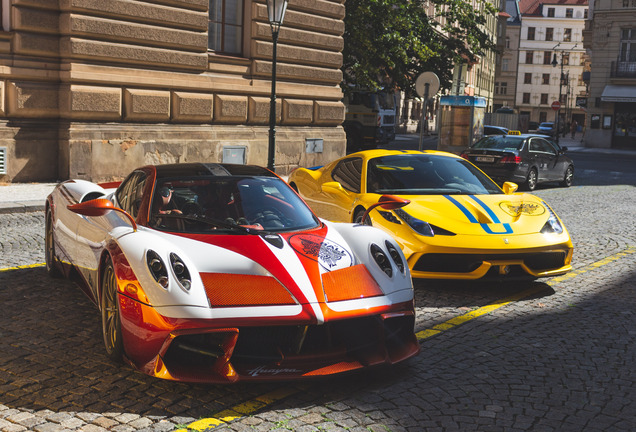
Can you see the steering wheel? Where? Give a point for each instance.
(192, 208)
(269, 217)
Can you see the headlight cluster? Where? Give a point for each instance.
(159, 271)
(419, 226)
(383, 261)
(181, 271)
(552, 226)
(395, 255)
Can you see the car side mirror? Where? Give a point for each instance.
(332, 187)
(509, 188)
(99, 207)
(564, 149)
(388, 202)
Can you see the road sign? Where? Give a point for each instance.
(422, 80)
(556, 105)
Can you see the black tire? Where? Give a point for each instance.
(568, 177)
(531, 180)
(111, 322)
(357, 217)
(49, 248)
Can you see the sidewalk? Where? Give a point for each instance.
(30, 197)
(24, 197)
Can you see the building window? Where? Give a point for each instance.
(504, 88)
(567, 35)
(549, 34)
(628, 45)
(527, 78)
(505, 64)
(545, 79)
(544, 98)
(569, 13)
(531, 33)
(507, 41)
(225, 28)
(547, 57)
(529, 55)
(551, 12)
(585, 14)
(581, 80)
(565, 58)
(526, 98)
(543, 116)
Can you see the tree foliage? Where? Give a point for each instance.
(388, 43)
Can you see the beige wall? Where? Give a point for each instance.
(602, 38)
(117, 84)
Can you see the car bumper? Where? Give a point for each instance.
(500, 174)
(493, 257)
(212, 351)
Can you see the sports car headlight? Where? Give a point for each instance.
(552, 226)
(395, 255)
(181, 271)
(157, 268)
(381, 259)
(419, 226)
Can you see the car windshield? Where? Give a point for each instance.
(500, 142)
(425, 174)
(546, 125)
(228, 204)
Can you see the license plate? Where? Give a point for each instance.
(484, 159)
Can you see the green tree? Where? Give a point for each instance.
(388, 43)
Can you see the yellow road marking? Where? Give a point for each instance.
(21, 267)
(453, 322)
(241, 410)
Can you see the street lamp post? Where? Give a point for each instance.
(276, 14)
(554, 64)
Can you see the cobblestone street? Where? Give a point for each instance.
(560, 359)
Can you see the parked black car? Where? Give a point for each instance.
(527, 159)
(547, 128)
(495, 130)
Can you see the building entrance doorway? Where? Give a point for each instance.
(624, 131)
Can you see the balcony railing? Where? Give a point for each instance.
(623, 69)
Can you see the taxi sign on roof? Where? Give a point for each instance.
(513, 132)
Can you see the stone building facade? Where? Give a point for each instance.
(92, 89)
(507, 59)
(610, 35)
(551, 35)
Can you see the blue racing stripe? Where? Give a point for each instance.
(491, 213)
(464, 210)
(507, 229)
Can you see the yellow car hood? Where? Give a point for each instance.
(480, 214)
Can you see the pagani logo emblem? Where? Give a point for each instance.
(329, 254)
(263, 370)
(517, 209)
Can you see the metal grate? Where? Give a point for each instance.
(3, 160)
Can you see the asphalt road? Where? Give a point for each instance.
(552, 355)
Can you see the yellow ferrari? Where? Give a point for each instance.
(458, 225)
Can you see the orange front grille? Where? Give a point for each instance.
(350, 283)
(227, 289)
